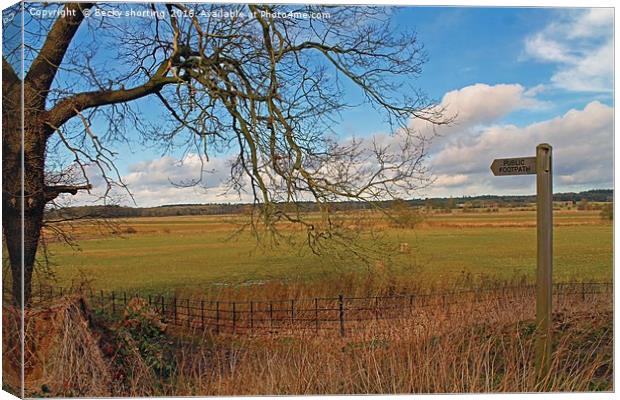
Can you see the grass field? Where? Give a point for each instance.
(168, 253)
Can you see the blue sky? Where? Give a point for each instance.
(514, 76)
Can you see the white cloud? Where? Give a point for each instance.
(581, 139)
(581, 44)
(460, 159)
(164, 181)
(482, 104)
(451, 180)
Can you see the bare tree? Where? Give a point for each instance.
(265, 82)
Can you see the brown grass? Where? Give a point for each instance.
(446, 352)
(464, 347)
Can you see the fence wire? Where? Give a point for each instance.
(320, 314)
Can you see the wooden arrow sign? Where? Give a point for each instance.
(514, 166)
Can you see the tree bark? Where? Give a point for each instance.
(23, 188)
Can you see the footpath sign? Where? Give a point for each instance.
(514, 166)
(540, 165)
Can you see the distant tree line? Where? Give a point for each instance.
(115, 211)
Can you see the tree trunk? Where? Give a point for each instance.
(22, 235)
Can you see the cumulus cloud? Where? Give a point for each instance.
(168, 180)
(583, 153)
(459, 160)
(482, 104)
(580, 42)
(451, 180)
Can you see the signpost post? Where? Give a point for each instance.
(541, 165)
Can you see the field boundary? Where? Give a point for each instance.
(340, 314)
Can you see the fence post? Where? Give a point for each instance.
(150, 303)
(234, 317)
(61, 291)
(271, 314)
(174, 309)
(251, 317)
(125, 298)
(341, 313)
(292, 313)
(189, 314)
(101, 298)
(376, 308)
(202, 314)
(217, 317)
(113, 303)
(316, 314)
(163, 306)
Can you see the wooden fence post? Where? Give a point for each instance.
(101, 298)
(125, 298)
(113, 303)
(150, 302)
(341, 313)
(163, 306)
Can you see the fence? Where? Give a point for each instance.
(337, 314)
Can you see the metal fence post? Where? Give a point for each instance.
(202, 313)
(189, 314)
(217, 317)
(174, 309)
(316, 314)
(271, 314)
(234, 317)
(341, 313)
(251, 317)
(292, 313)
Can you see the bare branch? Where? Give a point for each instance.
(46, 64)
(51, 192)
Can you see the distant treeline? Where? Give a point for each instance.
(113, 211)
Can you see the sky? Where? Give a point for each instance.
(514, 77)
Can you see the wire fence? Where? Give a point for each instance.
(339, 314)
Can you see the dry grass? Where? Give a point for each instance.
(61, 352)
(464, 347)
(446, 352)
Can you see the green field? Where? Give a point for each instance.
(168, 253)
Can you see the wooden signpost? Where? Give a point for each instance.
(541, 165)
